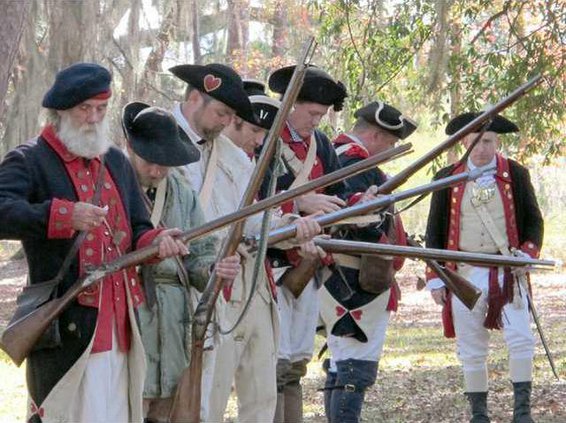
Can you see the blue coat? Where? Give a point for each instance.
(30, 177)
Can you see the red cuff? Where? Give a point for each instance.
(327, 260)
(354, 198)
(146, 240)
(293, 256)
(531, 249)
(288, 207)
(60, 219)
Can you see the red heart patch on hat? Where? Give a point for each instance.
(211, 83)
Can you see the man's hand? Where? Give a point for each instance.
(307, 228)
(228, 268)
(169, 245)
(87, 216)
(310, 251)
(370, 194)
(312, 203)
(522, 270)
(439, 295)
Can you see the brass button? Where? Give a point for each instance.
(107, 185)
(456, 189)
(81, 174)
(58, 225)
(63, 210)
(109, 248)
(505, 174)
(90, 236)
(89, 252)
(84, 188)
(72, 327)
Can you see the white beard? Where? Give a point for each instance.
(88, 140)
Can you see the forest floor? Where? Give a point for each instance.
(419, 377)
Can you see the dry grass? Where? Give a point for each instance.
(419, 378)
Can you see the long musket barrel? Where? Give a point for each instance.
(355, 247)
(17, 345)
(289, 231)
(400, 178)
(187, 402)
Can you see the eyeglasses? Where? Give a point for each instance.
(401, 118)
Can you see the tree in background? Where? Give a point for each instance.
(433, 58)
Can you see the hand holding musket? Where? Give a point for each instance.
(19, 338)
(186, 406)
(287, 232)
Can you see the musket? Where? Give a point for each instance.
(19, 338)
(186, 405)
(477, 124)
(462, 288)
(401, 177)
(289, 231)
(479, 259)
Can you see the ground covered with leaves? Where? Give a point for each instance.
(419, 377)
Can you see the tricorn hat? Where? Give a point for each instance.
(254, 87)
(155, 136)
(318, 86)
(77, 83)
(499, 124)
(387, 118)
(218, 81)
(265, 107)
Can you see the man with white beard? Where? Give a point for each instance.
(68, 193)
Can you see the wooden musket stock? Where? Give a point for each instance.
(186, 406)
(19, 338)
(462, 288)
(465, 291)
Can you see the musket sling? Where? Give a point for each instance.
(37, 294)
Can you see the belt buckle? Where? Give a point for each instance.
(349, 387)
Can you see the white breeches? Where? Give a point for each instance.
(344, 348)
(103, 391)
(298, 320)
(248, 358)
(472, 338)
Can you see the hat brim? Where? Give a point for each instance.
(176, 152)
(499, 124)
(232, 95)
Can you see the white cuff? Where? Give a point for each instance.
(434, 283)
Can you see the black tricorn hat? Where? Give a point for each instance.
(155, 136)
(499, 124)
(219, 81)
(265, 107)
(254, 87)
(318, 86)
(387, 118)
